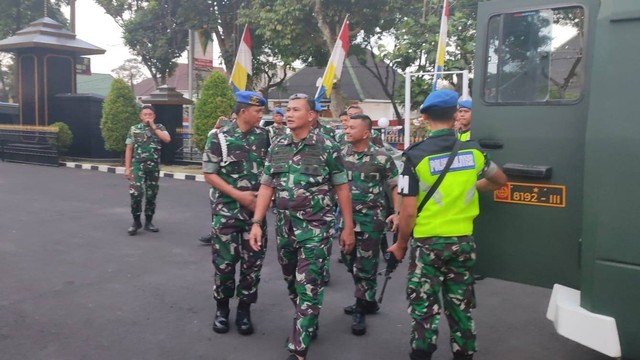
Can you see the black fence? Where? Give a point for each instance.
(29, 144)
(187, 152)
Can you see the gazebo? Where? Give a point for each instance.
(46, 57)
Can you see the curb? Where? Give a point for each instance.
(120, 170)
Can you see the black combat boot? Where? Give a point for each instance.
(420, 355)
(457, 356)
(243, 318)
(221, 321)
(371, 307)
(358, 324)
(206, 240)
(148, 225)
(137, 225)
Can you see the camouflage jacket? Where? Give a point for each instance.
(276, 132)
(325, 130)
(303, 174)
(370, 173)
(146, 145)
(375, 139)
(239, 161)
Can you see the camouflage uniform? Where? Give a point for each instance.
(231, 224)
(375, 138)
(145, 168)
(369, 173)
(302, 174)
(276, 132)
(325, 130)
(442, 249)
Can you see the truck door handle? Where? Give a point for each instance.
(492, 144)
(530, 171)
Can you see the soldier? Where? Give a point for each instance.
(305, 171)
(442, 248)
(142, 167)
(278, 128)
(370, 171)
(222, 122)
(376, 137)
(232, 164)
(316, 125)
(463, 120)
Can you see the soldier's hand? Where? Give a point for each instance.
(255, 237)
(127, 174)
(247, 199)
(398, 251)
(392, 222)
(347, 240)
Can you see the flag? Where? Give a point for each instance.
(242, 66)
(442, 43)
(334, 68)
(203, 50)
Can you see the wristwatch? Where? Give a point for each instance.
(256, 221)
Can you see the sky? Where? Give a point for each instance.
(99, 29)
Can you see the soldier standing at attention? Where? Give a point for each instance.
(278, 128)
(142, 166)
(442, 248)
(370, 171)
(305, 171)
(463, 120)
(232, 164)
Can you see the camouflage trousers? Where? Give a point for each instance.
(144, 184)
(363, 262)
(230, 245)
(442, 264)
(303, 266)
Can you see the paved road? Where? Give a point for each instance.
(74, 285)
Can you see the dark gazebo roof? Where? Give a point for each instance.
(166, 95)
(50, 34)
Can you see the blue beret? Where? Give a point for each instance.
(465, 104)
(278, 111)
(251, 98)
(440, 99)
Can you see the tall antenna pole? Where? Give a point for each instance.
(45, 8)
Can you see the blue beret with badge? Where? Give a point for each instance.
(440, 99)
(465, 104)
(278, 111)
(251, 98)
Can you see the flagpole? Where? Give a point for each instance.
(442, 44)
(190, 78)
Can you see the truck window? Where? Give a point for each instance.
(535, 56)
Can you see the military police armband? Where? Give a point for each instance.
(256, 221)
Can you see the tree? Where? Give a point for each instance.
(15, 16)
(307, 30)
(65, 137)
(130, 71)
(155, 30)
(119, 113)
(216, 99)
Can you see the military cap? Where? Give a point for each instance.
(251, 98)
(440, 99)
(278, 111)
(465, 104)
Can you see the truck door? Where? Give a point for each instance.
(530, 113)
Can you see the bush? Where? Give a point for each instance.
(216, 99)
(65, 137)
(119, 113)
